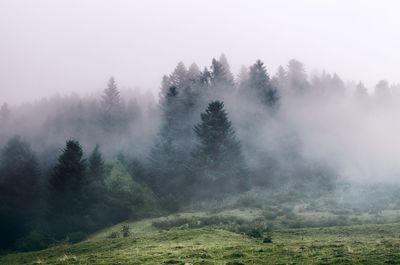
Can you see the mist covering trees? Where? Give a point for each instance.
(80, 164)
(218, 165)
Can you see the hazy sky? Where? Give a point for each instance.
(50, 46)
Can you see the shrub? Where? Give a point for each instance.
(113, 234)
(255, 230)
(267, 239)
(125, 231)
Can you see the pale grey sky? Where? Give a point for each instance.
(50, 46)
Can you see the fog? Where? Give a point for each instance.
(125, 110)
(50, 47)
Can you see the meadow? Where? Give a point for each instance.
(236, 232)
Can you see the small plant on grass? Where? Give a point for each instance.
(125, 231)
(113, 234)
(267, 239)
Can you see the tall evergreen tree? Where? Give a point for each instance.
(19, 191)
(224, 61)
(218, 161)
(296, 76)
(112, 108)
(193, 72)
(260, 85)
(169, 154)
(243, 78)
(96, 168)
(164, 89)
(220, 78)
(111, 98)
(178, 78)
(66, 185)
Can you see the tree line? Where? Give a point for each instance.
(202, 140)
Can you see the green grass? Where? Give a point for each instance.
(345, 226)
(361, 244)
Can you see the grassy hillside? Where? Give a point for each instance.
(181, 243)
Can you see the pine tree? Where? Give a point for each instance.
(66, 186)
(164, 89)
(111, 98)
(193, 72)
(178, 78)
(19, 189)
(93, 190)
(218, 159)
(243, 79)
(96, 167)
(260, 85)
(170, 152)
(220, 78)
(224, 61)
(296, 76)
(69, 172)
(280, 81)
(112, 109)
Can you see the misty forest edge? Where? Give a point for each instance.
(70, 165)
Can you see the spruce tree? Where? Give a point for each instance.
(260, 85)
(111, 98)
(297, 77)
(220, 78)
(193, 72)
(19, 191)
(66, 186)
(96, 165)
(224, 61)
(218, 161)
(93, 182)
(178, 78)
(170, 152)
(113, 117)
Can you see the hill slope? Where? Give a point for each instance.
(361, 244)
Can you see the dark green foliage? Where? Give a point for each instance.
(66, 185)
(218, 162)
(68, 174)
(19, 189)
(198, 222)
(124, 198)
(186, 165)
(84, 198)
(96, 165)
(95, 176)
